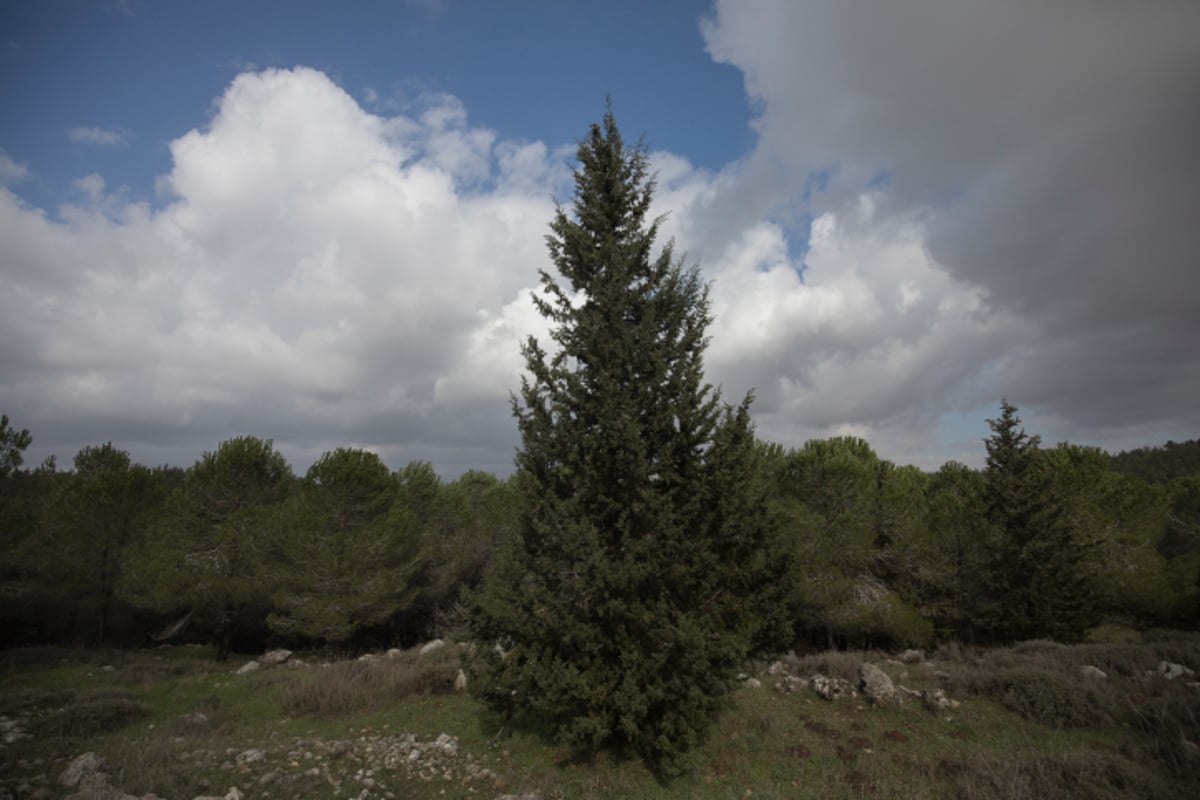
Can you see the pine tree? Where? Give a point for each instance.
(1036, 578)
(635, 584)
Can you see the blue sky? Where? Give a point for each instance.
(322, 223)
(528, 70)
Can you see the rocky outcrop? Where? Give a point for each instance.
(936, 700)
(1171, 671)
(877, 686)
(430, 647)
(831, 688)
(81, 768)
(273, 658)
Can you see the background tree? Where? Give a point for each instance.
(13, 443)
(957, 520)
(855, 522)
(346, 554)
(92, 518)
(208, 552)
(628, 590)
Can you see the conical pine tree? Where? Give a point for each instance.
(645, 561)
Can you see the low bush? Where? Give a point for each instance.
(92, 714)
(1048, 697)
(1073, 775)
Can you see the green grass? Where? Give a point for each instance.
(174, 722)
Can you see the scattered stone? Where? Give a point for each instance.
(941, 673)
(936, 700)
(752, 683)
(273, 658)
(1171, 671)
(11, 730)
(789, 684)
(436, 644)
(778, 668)
(81, 767)
(460, 681)
(250, 756)
(248, 667)
(368, 658)
(395, 652)
(831, 688)
(1089, 671)
(876, 685)
(912, 656)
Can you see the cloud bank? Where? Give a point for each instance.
(1042, 156)
(922, 227)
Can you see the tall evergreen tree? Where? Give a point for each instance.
(635, 582)
(1037, 582)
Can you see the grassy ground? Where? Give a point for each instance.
(173, 722)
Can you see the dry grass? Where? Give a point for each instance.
(349, 686)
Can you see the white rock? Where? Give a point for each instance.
(460, 681)
(395, 652)
(831, 688)
(81, 767)
(1089, 671)
(249, 666)
(1172, 671)
(274, 657)
(429, 647)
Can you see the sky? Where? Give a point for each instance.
(322, 223)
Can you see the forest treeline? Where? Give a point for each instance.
(236, 549)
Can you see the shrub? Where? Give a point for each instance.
(1044, 696)
(102, 712)
(1113, 634)
(1085, 775)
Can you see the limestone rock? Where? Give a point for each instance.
(831, 688)
(275, 657)
(248, 667)
(429, 647)
(936, 700)
(876, 685)
(81, 767)
(460, 681)
(1089, 671)
(912, 656)
(789, 684)
(1171, 671)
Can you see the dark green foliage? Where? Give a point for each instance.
(958, 527)
(1036, 576)
(210, 546)
(344, 555)
(13, 443)
(856, 526)
(644, 554)
(1160, 464)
